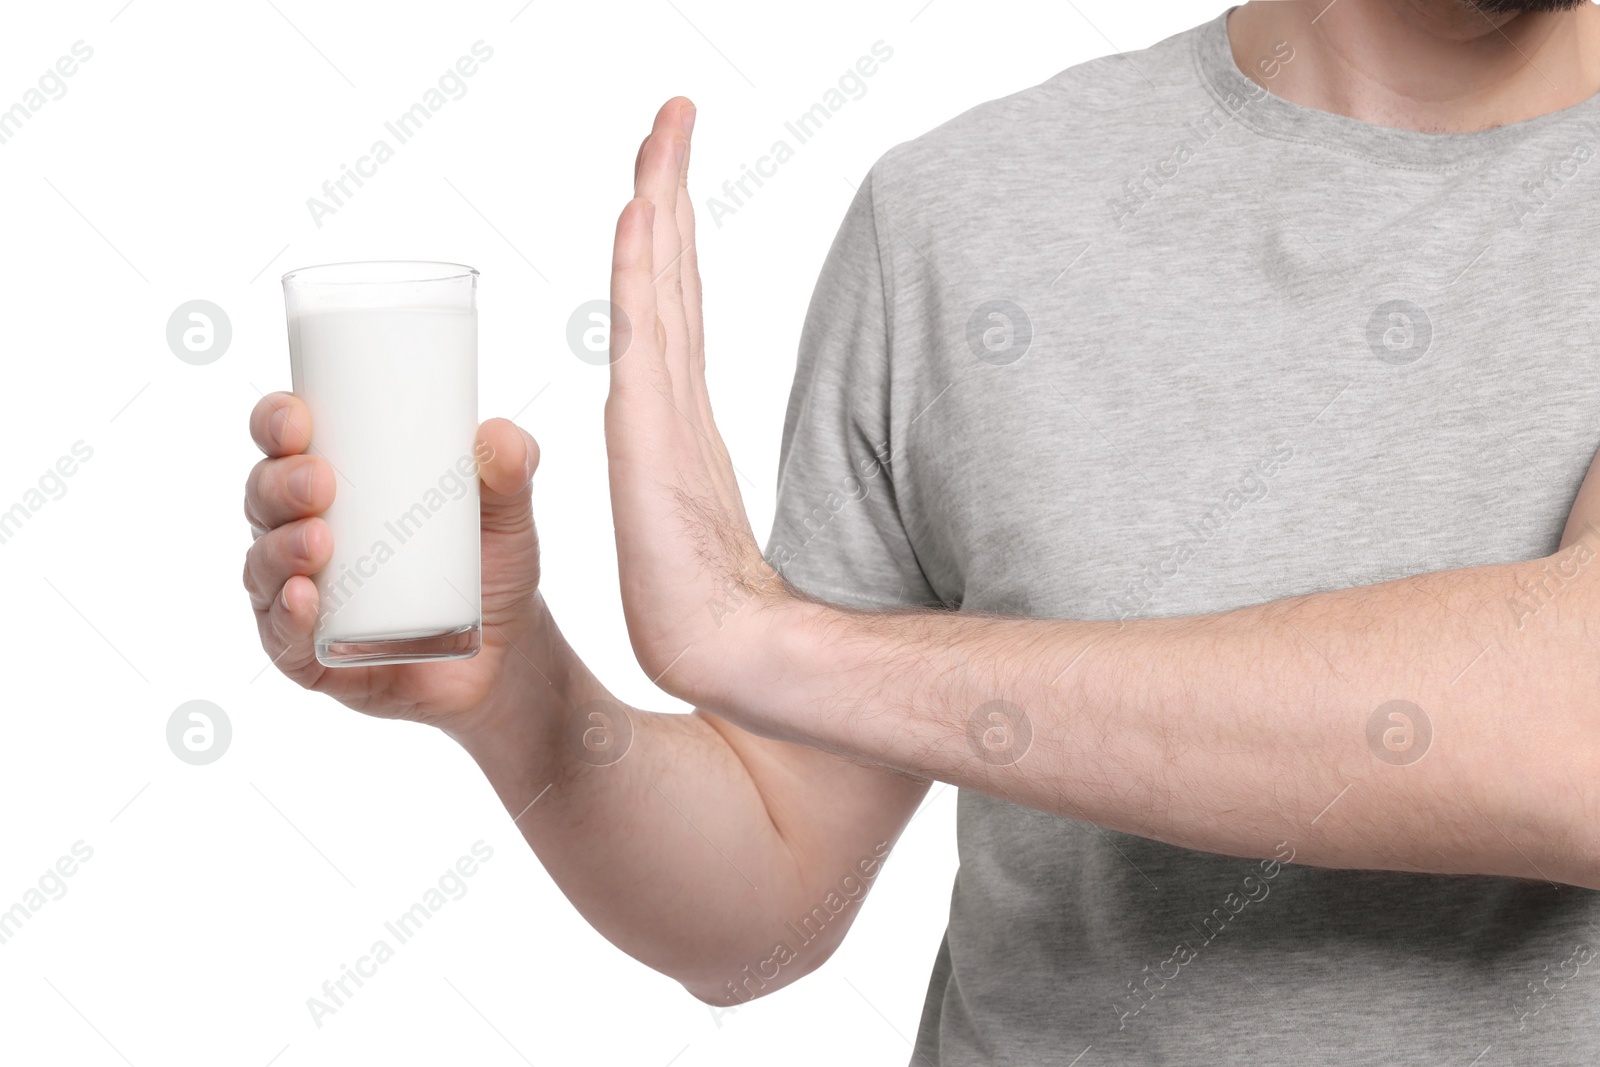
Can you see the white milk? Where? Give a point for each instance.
(393, 399)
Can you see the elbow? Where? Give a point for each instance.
(732, 984)
(723, 996)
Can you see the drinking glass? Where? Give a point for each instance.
(385, 356)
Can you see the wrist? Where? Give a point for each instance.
(532, 680)
(784, 670)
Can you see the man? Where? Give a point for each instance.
(1267, 353)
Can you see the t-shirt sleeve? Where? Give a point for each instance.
(838, 531)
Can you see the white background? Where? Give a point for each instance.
(177, 167)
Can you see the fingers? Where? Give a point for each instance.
(689, 263)
(637, 351)
(662, 164)
(287, 628)
(507, 457)
(689, 275)
(281, 424)
(282, 495)
(285, 489)
(298, 548)
(681, 299)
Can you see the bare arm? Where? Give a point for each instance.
(1418, 725)
(693, 851)
(697, 847)
(1231, 733)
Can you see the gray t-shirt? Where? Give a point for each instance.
(1146, 340)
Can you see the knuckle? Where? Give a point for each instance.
(271, 557)
(261, 420)
(252, 493)
(249, 578)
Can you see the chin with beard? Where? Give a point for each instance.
(1524, 7)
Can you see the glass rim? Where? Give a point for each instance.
(379, 272)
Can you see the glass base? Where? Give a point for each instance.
(462, 642)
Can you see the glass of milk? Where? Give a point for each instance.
(386, 357)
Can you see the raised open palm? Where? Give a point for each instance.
(684, 546)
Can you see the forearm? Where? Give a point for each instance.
(680, 849)
(1234, 732)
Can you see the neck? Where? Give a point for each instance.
(1438, 66)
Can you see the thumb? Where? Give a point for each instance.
(507, 456)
